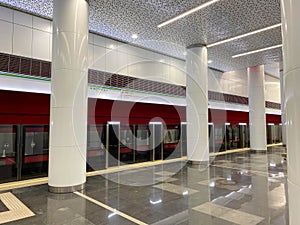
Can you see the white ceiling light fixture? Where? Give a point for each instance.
(134, 36)
(256, 51)
(244, 35)
(209, 61)
(180, 16)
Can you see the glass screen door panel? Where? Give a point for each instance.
(35, 152)
(171, 147)
(156, 141)
(127, 145)
(211, 138)
(113, 144)
(183, 138)
(96, 147)
(142, 143)
(8, 153)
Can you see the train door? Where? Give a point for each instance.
(112, 144)
(156, 141)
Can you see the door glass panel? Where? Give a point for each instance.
(35, 151)
(95, 147)
(156, 141)
(126, 144)
(219, 137)
(171, 142)
(113, 145)
(142, 133)
(8, 150)
(183, 139)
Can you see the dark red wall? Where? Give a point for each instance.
(101, 111)
(33, 108)
(24, 108)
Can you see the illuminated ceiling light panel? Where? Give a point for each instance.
(244, 35)
(256, 51)
(187, 13)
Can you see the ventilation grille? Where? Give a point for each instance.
(24, 65)
(273, 105)
(121, 81)
(34, 67)
(216, 96)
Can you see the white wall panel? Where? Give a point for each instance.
(90, 56)
(22, 19)
(272, 89)
(6, 35)
(6, 14)
(41, 24)
(22, 41)
(40, 45)
(99, 40)
(99, 58)
(122, 61)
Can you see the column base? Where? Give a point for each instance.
(63, 190)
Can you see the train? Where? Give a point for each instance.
(148, 132)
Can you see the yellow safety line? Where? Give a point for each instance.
(110, 209)
(278, 144)
(239, 150)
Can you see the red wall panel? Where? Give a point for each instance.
(33, 108)
(24, 108)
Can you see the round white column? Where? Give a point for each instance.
(283, 113)
(197, 104)
(291, 69)
(68, 113)
(257, 108)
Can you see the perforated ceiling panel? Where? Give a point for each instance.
(227, 18)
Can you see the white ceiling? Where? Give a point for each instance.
(227, 18)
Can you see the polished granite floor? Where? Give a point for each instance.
(242, 188)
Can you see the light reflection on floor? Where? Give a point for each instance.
(240, 188)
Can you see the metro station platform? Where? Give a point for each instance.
(240, 188)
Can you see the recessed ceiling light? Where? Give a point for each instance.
(184, 53)
(256, 51)
(244, 35)
(209, 61)
(134, 36)
(187, 13)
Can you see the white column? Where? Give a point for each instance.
(68, 115)
(197, 104)
(257, 108)
(291, 69)
(283, 113)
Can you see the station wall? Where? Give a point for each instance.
(31, 36)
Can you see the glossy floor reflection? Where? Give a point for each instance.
(245, 188)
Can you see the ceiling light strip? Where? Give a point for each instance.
(187, 13)
(256, 51)
(244, 35)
